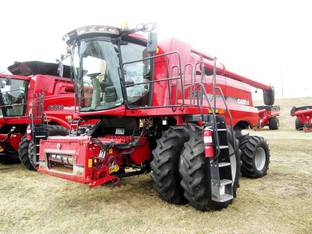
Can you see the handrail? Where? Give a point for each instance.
(226, 106)
(169, 77)
(214, 121)
(230, 116)
(184, 75)
(196, 96)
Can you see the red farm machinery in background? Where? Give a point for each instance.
(164, 108)
(268, 116)
(303, 116)
(33, 94)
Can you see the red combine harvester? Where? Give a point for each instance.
(303, 117)
(21, 113)
(268, 116)
(164, 108)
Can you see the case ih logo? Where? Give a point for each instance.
(58, 146)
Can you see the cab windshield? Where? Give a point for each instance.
(98, 73)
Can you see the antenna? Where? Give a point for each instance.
(282, 81)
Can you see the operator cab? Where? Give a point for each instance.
(13, 88)
(105, 78)
(12, 97)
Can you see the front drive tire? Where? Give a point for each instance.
(255, 156)
(195, 172)
(27, 152)
(165, 171)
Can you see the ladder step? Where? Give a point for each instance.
(223, 146)
(225, 197)
(224, 164)
(38, 145)
(225, 182)
(221, 129)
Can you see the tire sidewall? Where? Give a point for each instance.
(237, 159)
(23, 154)
(57, 130)
(31, 152)
(172, 153)
(274, 123)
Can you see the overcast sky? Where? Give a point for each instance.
(268, 41)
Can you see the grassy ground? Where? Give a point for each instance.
(281, 202)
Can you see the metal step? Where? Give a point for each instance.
(225, 197)
(225, 182)
(224, 164)
(221, 129)
(40, 136)
(223, 146)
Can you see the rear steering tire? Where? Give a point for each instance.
(195, 172)
(27, 152)
(165, 171)
(255, 156)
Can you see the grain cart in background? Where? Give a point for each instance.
(268, 116)
(21, 117)
(164, 108)
(303, 117)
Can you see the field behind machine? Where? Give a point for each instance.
(281, 202)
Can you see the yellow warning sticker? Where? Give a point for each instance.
(90, 163)
(114, 169)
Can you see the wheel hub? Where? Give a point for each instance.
(260, 158)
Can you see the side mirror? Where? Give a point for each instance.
(60, 67)
(151, 43)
